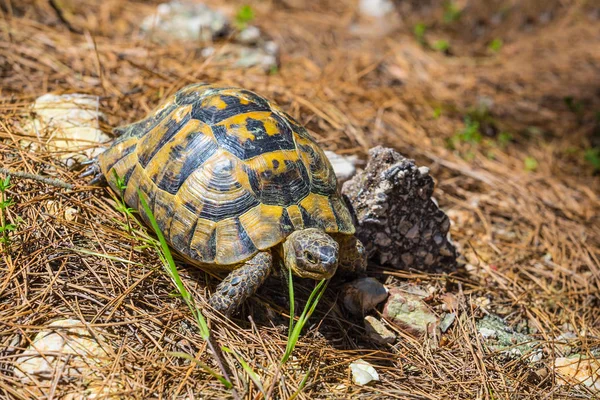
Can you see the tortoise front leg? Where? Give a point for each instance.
(353, 255)
(241, 283)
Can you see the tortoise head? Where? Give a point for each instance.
(311, 253)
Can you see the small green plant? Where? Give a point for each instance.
(575, 106)
(496, 45)
(531, 164)
(451, 12)
(592, 156)
(441, 45)
(504, 138)
(5, 203)
(121, 206)
(419, 31)
(253, 375)
(244, 16)
(437, 112)
(470, 133)
(169, 264)
(296, 327)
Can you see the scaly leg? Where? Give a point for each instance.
(241, 283)
(353, 255)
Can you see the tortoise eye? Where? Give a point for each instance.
(310, 257)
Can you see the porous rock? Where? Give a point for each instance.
(397, 220)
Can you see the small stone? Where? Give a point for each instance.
(487, 333)
(501, 338)
(363, 295)
(71, 214)
(447, 321)
(184, 20)
(67, 347)
(207, 51)
(68, 125)
(562, 343)
(378, 332)
(271, 47)
(410, 313)
(481, 302)
(375, 8)
(255, 56)
(343, 166)
(578, 370)
(363, 372)
(250, 35)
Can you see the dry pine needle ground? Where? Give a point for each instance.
(528, 230)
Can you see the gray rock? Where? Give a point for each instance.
(398, 222)
(343, 166)
(499, 337)
(409, 313)
(378, 332)
(363, 295)
(250, 35)
(375, 8)
(447, 321)
(185, 20)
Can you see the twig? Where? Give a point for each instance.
(48, 181)
(218, 357)
(61, 16)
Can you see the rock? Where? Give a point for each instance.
(410, 313)
(68, 124)
(256, 56)
(378, 332)
(578, 370)
(68, 348)
(447, 321)
(344, 166)
(363, 372)
(564, 344)
(363, 295)
(184, 20)
(53, 208)
(499, 337)
(375, 8)
(396, 219)
(250, 35)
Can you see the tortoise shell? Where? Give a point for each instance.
(226, 174)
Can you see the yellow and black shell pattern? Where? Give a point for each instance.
(226, 173)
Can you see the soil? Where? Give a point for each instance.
(499, 99)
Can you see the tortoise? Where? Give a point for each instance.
(235, 185)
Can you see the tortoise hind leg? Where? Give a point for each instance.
(241, 283)
(353, 255)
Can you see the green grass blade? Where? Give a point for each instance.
(309, 308)
(172, 270)
(292, 301)
(208, 369)
(253, 375)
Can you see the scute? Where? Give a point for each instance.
(226, 173)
